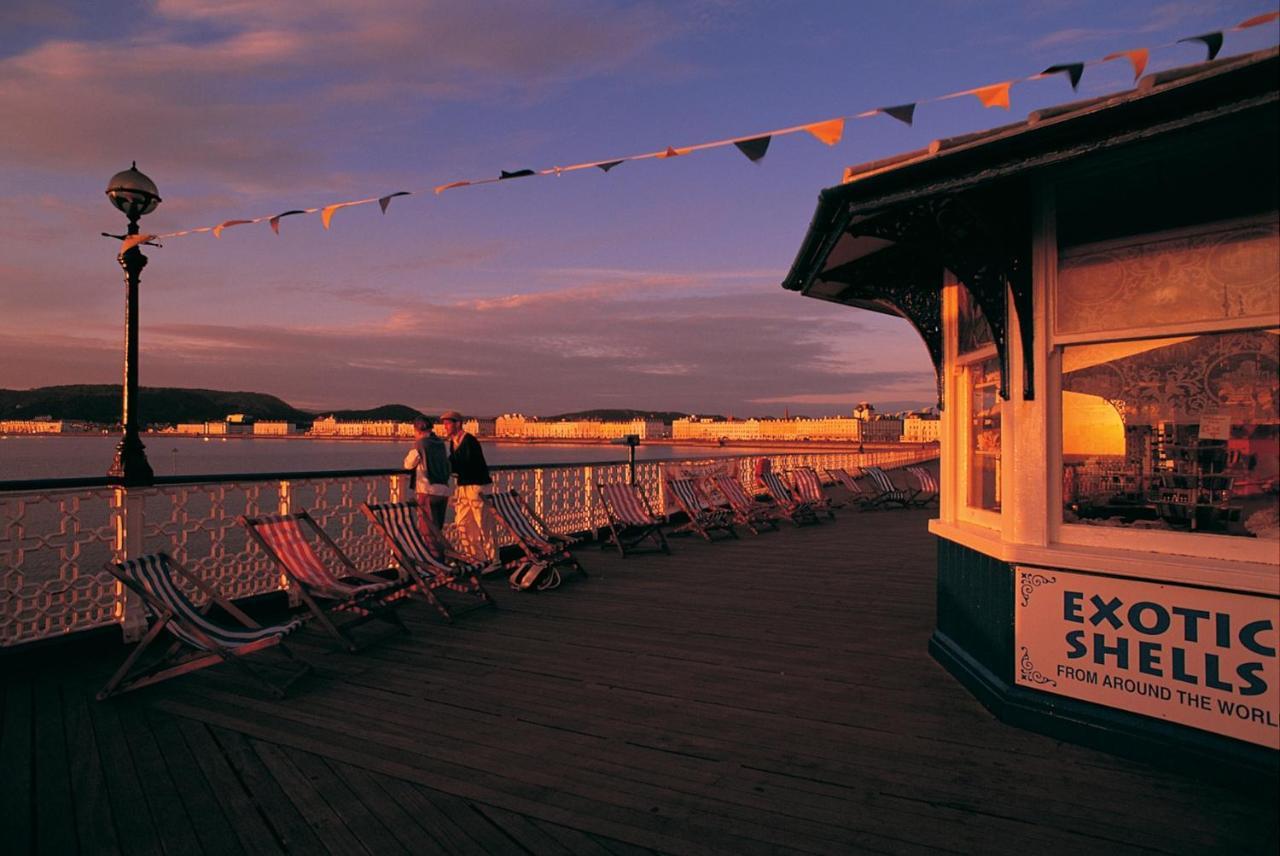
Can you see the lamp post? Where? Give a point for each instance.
(135, 195)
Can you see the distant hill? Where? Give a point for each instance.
(101, 403)
(621, 415)
(392, 412)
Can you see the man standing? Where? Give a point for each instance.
(429, 459)
(474, 525)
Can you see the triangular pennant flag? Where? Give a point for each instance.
(673, 153)
(443, 187)
(132, 241)
(1212, 41)
(605, 167)
(828, 132)
(902, 112)
(520, 173)
(326, 214)
(217, 230)
(1257, 21)
(995, 95)
(754, 148)
(384, 201)
(1137, 58)
(274, 222)
(1073, 71)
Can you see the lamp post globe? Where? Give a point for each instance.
(134, 195)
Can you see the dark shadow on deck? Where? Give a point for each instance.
(772, 694)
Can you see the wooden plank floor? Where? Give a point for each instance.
(767, 695)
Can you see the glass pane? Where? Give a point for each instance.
(1229, 273)
(1176, 433)
(972, 330)
(984, 434)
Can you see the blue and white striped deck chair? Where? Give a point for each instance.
(797, 510)
(200, 641)
(887, 493)
(541, 547)
(926, 487)
(428, 569)
(703, 519)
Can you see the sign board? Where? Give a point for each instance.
(1215, 426)
(1202, 658)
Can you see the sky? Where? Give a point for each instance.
(655, 286)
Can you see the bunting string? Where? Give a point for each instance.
(752, 146)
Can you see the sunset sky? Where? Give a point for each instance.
(655, 286)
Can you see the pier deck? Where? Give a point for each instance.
(766, 695)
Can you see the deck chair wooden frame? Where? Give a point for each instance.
(353, 595)
(807, 486)
(886, 492)
(703, 518)
(849, 482)
(200, 641)
(631, 520)
(748, 511)
(538, 543)
(796, 510)
(926, 491)
(429, 570)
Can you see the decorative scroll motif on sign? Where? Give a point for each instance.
(1029, 671)
(1030, 581)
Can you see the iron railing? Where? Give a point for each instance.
(56, 534)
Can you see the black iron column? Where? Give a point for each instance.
(130, 465)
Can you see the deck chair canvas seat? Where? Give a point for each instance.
(631, 521)
(429, 570)
(200, 641)
(543, 552)
(849, 482)
(703, 518)
(886, 492)
(797, 511)
(747, 510)
(808, 488)
(926, 487)
(346, 593)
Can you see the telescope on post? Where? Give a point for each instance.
(630, 441)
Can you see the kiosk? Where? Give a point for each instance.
(1098, 288)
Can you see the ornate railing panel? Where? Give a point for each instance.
(56, 536)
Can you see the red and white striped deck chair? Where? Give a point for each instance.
(199, 640)
(631, 521)
(808, 487)
(926, 487)
(747, 510)
(703, 518)
(887, 493)
(849, 482)
(427, 562)
(797, 511)
(327, 592)
(544, 551)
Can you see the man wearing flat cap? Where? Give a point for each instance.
(474, 526)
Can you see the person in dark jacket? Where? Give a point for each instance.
(429, 460)
(473, 522)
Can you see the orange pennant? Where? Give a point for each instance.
(443, 187)
(1137, 58)
(132, 241)
(326, 214)
(828, 132)
(1257, 21)
(673, 153)
(995, 95)
(217, 230)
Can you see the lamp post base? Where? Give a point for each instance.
(131, 466)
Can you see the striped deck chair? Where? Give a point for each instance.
(746, 510)
(926, 487)
(428, 562)
(703, 518)
(887, 493)
(631, 521)
(798, 511)
(327, 593)
(544, 552)
(849, 482)
(808, 487)
(199, 641)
